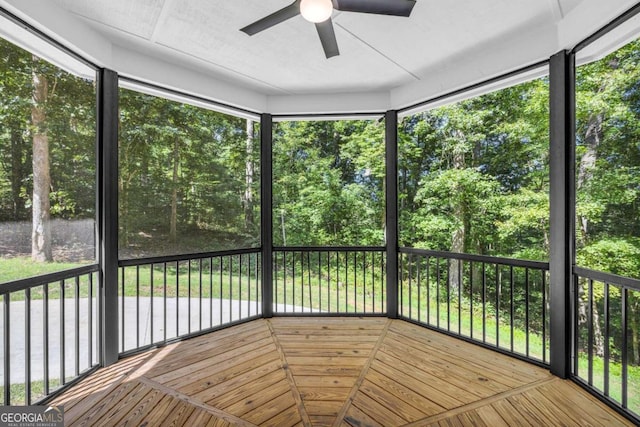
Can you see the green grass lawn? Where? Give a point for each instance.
(23, 267)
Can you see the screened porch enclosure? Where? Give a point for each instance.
(467, 257)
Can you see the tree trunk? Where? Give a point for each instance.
(173, 222)
(247, 198)
(460, 234)
(41, 210)
(18, 172)
(592, 139)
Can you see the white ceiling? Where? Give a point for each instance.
(385, 62)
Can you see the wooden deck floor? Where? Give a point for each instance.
(328, 371)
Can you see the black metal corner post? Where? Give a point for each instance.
(391, 218)
(107, 117)
(266, 212)
(562, 208)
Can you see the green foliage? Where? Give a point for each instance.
(70, 125)
(619, 256)
(474, 175)
(173, 154)
(328, 183)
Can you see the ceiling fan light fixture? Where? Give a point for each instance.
(316, 10)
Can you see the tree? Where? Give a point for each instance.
(41, 206)
(247, 197)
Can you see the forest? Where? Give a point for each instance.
(473, 175)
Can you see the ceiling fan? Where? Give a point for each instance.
(319, 12)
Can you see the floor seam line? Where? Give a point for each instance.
(363, 373)
(217, 412)
(480, 403)
(292, 383)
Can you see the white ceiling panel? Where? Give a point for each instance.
(444, 45)
(136, 17)
(288, 56)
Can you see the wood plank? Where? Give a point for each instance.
(322, 345)
(510, 414)
(485, 382)
(490, 417)
(146, 405)
(528, 410)
(158, 415)
(101, 382)
(292, 383)
(426, 390)
(197, 383)
(178, 415)
(404, 394)
(300, 351)
(265, 412)
(420, 378)
(324, 393)
(198, 418)
(376, 411)
(357, 418)
(582, 408)
(196, 403)
(444, 369)
(479, 403)
(244, 379)
(548, 408)
(327, 408)
(287, 418)
(215, 363)
(322, 321)
(325, 332)
(87, 411)
(472, 418)
(363, 373)
(322, 421)
(169, 361)
(325, 381)
(329, 339)
(251, 401)
(326, 361)
(319, 370)
(239, 393)
(210, 342)
(483, 357)
(206, 369)
(115, 413)
(390, 401)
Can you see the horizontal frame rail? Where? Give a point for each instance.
(184, 257)
(32, 282)
(329, 249)
(479, 258)
(607, 278)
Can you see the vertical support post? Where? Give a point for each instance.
(266, 212)
(107, 155)
(391, 217)
(562, 206)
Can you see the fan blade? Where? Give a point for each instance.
(379, 7)
(328, 38)
(275, 18)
